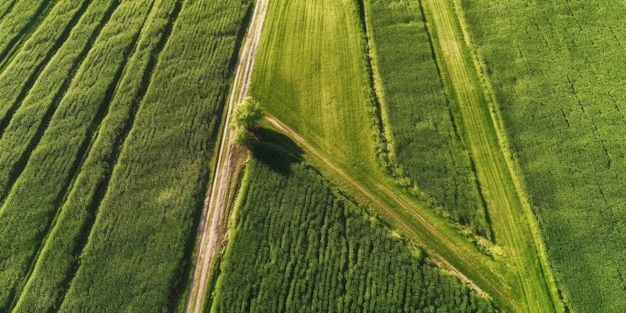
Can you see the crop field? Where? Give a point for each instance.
(511, 268)
(413, 155)
(17, 20)
(428, 148)
(558, 75)
(298, 245)
(108, 116)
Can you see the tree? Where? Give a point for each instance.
(245, 121)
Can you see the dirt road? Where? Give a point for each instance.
(210, 237)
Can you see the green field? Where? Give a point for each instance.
(417, 155)
(514, 270)
(299, 245)
(557, 73)
(109, 113)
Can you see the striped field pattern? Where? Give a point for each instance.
(109, 111)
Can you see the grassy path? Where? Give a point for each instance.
(512, 220)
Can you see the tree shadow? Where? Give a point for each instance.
(276, 150)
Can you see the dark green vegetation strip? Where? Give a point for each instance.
(299, 246)
(430, 154)
(558, 72)
(109, 111)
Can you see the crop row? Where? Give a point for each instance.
(299, 246)
(112, 109)
(558, 76)
(430, 153)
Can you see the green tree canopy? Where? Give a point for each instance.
(245, 120)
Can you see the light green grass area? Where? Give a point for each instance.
(297, 245)
(558, 73)
(311, 73)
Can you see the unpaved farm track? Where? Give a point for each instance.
(212, 226)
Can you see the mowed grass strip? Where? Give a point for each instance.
(59, 256)
(311, 73)
(431, 156)
(512, 221)
(137, 251)
(41, 188)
